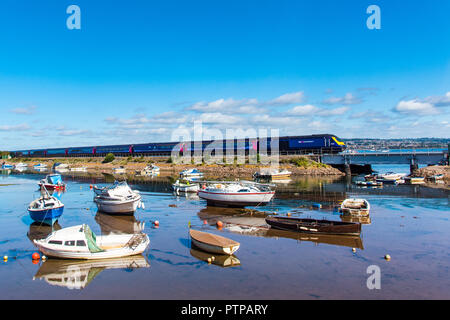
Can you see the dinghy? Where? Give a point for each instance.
(236, 194)
(191, 173)
(213, 243)
(45, 209)
(185, 186)
(53, 182)
(120, 170)
(314, 225)
(79, 242)
(272, 174)
(358, 207)
(118, 198)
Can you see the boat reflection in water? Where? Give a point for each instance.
(222, 260)
(40, 230)
(77, 274)
(359, 219)
(125, 224)
(252, 223)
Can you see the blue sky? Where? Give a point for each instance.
(139, 70)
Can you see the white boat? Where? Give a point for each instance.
(79, 242)
(273, 174)
(40, 166)
(73, 274)
(21, 165)
(150, 170)
(236, 194)
(213, 243)
(120, 170)
(79, 169)
(61, 167)
(390, 177)
(185, 186)
(353, 206)
(191, 173)
(118, 198)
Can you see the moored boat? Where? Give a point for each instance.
(314, 225)
(353, 206)
(7, 166)
(390, 177)
(191, 173)
(46, 208)
(118, 198)
(213, 243)
(150, 170)
(79, 169)
(53, 182)
(272, 174)
(236, 194)
(40, 166)
(79, 242)
(120, 170)
(369, 183)
(185, 186)
(435, 177)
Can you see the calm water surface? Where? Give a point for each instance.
(410, 223)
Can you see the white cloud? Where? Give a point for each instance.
(26, 111)
(288, 98)
(18, 127)
(226, 106)
(348, 99)
(415, 107)
(217, 117)
(333, 112)
(305, 110)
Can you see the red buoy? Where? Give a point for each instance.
(204, 222)
(35, 256)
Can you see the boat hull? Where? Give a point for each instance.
(46, 215)
(214, 249)
(107, 254)
(314, 226)
(236, 199)
(118, 207)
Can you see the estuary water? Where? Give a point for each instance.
(410, 223)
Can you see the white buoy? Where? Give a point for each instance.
(387, 257)
(353, 250)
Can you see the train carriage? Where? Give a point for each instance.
(312, 144)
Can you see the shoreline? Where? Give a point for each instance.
(222, 170)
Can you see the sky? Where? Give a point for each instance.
(143, 71)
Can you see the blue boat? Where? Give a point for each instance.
(7, 166)
(46, 209)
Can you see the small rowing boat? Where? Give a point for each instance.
(185, 186)
(358, 207)
(314, 225)
(53, 182)
(213, 243)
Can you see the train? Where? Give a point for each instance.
(288, 145)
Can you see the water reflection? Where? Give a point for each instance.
(252, 223)
(222, 260)
(126, 224)
(76, 274)
(40, 230)
(337, 240)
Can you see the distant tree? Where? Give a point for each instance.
(109, 158)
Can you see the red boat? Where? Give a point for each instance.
(53, 182)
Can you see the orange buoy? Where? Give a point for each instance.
(204, 222)
(90, 186)
(35, 256)
(35, 261)
(219, 224)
